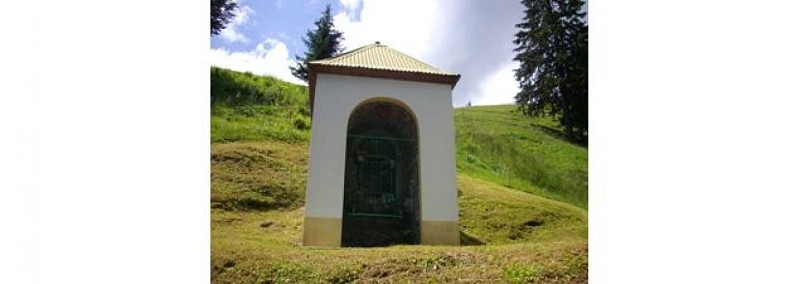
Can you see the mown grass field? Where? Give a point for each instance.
(522, 197)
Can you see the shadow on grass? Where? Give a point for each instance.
(467, 240)
(556, 133)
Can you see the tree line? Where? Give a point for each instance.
(553, 54)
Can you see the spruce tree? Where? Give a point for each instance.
(222, 11)
(323, 41)
(552, 48)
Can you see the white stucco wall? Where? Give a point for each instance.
(337, 96)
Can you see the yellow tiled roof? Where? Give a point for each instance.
(381, 57)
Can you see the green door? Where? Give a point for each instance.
(373, 184)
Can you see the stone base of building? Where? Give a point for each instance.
(327, 232)
(324, 232)
(440, 233)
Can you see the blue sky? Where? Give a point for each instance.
(472, 37)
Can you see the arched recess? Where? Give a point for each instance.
(381, 194)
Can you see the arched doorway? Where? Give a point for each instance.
(381, 194)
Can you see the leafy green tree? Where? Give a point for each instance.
(323, 41)
(552, 48)
(222, 11)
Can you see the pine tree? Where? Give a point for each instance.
(322, 42)
(552, 48)
(222, 11)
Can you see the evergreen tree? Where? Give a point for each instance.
(552, 48)
(322, 42)
(222, 11)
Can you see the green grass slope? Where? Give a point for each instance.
(498, 144)
(256, 229)
(259, 160)
(494, 143)
(246, 107)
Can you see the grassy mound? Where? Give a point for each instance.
(258, 176)
(498, 215)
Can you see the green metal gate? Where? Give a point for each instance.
(373, 180)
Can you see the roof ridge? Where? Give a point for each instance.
(346, 54)
(379, 56)
(417, 60)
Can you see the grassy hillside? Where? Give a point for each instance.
(258, 175)
(257, 194)
(494, 143)
(245, 107)
(259, 159)
(498, 144)
(237, 88)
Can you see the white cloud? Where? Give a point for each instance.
(270, 57)
(408, 26)
(471, 37)
(230, 33)
(499, 88)
(350, 5)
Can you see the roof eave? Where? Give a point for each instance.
(449, 79)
